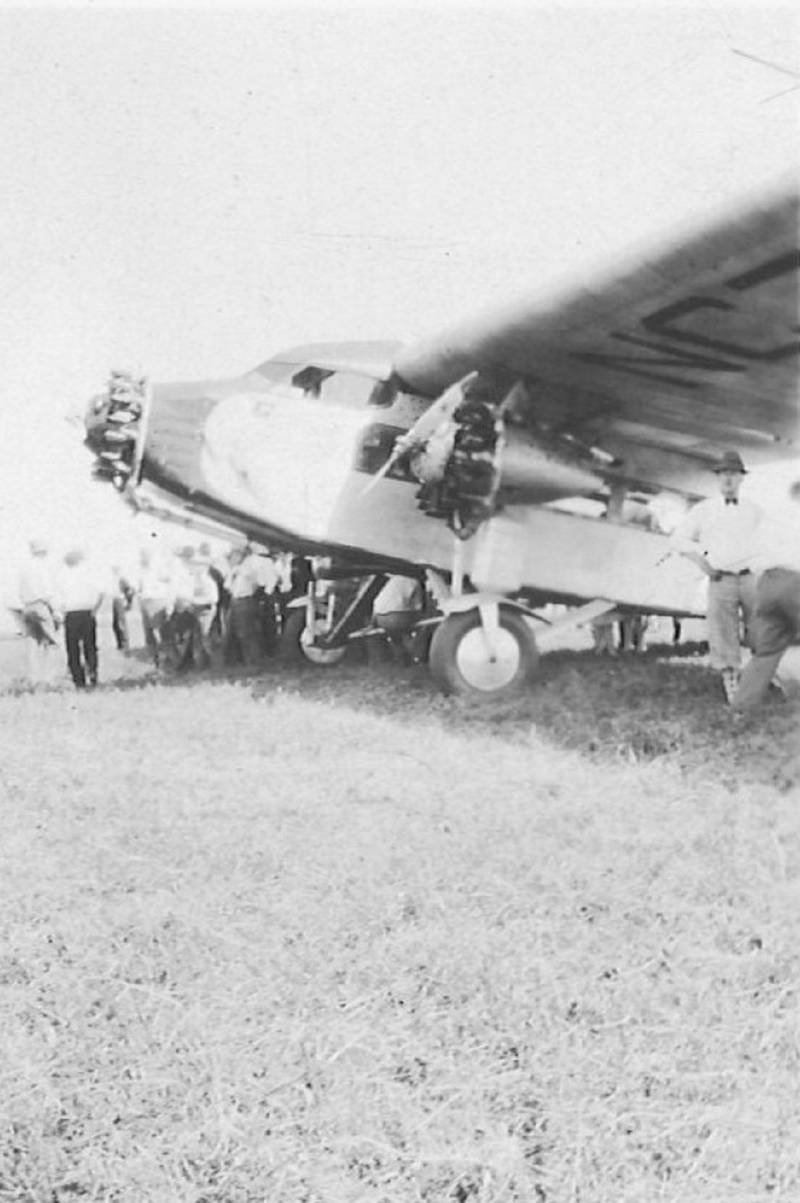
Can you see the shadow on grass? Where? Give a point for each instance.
(662, 705)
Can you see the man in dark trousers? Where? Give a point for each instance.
(80, 595)
(776, 622)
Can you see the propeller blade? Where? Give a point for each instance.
(423, 428)
(385, 469)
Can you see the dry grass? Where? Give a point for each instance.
(331, 938)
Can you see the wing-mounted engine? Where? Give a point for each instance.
(471, 454)
(463, 486)
(113, 428)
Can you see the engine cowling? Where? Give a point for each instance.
(113, 423)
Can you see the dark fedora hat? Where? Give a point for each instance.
(730, 461)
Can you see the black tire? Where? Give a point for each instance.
(460, 635)
(291, 649)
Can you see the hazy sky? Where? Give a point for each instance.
(187, 191)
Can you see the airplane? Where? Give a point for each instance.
(469, 454)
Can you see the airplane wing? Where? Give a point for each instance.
(688, 349)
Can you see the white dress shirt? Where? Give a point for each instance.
(35, 582)
(398, 594)
(254, 572)
(727, 535)
(204, 589)
(80, 587)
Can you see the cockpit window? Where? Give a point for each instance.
(348, 390)
(309, 379)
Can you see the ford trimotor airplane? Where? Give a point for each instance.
(463, 454)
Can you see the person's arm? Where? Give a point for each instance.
(270, 576)
(685, 541)
(701, 560)
(102, 589)
(55, 597)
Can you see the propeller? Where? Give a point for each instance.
(423, 428)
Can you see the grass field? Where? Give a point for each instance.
(328, 937)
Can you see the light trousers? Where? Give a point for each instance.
(730, 599)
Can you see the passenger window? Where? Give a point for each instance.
(346, 389)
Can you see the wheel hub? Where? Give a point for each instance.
(319, 655)
(484, 667)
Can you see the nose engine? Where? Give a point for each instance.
(113, 425)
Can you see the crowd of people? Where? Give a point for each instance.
(196, 610)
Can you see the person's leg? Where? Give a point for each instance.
(89, 641)
(124, 630)
(775, 623)
(246, 629)
(40, 640)
(181, 639)
(72, 634)
(377, 648)
(202, 638)
(269, 625)
(397, 625)
(722, 620)
(603, 637)
(755, 681)
(234, 649)
(34, 660)
(119, 623)
(150, 628)
(250, 631)
(747, 603)
(231, 643)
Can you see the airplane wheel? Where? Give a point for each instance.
(461, 660)
(297, 644)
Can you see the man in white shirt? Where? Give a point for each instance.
(156, 600)
(122, 594)
(80, 593)
(37, 613)
(251, 583)
(776, 622)
(195, 605)
(720, 535)
(396, 610)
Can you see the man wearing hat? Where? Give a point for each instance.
(719, 534)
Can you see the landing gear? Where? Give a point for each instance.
(484, 652)
(297, 643)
